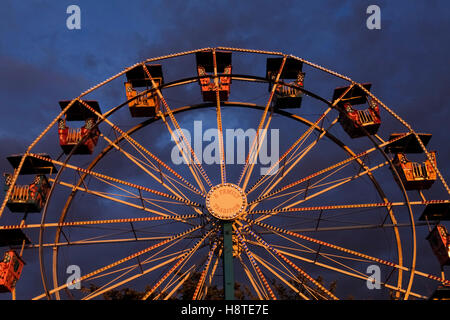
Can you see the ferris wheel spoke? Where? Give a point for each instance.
(116, 263)
(203, 294)
(266, 192)
(292, 276)
(103, 176)
(201, 281)
(320, 172)
(175, 280)
(310, 187)
(178, 282)
(290, 263)
(223, 173)
(281, 169)
(255, 265)
(351, 206)
(174, 255)
(139, 147)
(318, 193)
(328, 186)
(352, 273)
(162, 249)
(363, 277)
(176, 276)
(330, 257)
(358, 227)
(187, 159)
(304, 152)
(136, 145)
(135, 266)
(314, 293)
(95, 222)
(273, 269)
(339, 183)
(348, 251)
(153, 258)
(111, 285)
(197, 163)
(178, 194)
(145, 200)
(142, 199)
(118, 200)
(175, 283)
(146, 261)
(104, 238)
(276, 259)
(255, 280)
(249, 163)
(94, 242)
(307, 250)
(258, 290)
(138, 275)
(260, 137)
(298, 192)
(182, 259)
(294, 147)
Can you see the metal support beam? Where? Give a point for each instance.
(228, 272)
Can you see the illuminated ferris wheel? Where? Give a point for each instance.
(352, 189)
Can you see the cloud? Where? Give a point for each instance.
(42, 62)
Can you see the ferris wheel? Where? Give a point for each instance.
(352, 188)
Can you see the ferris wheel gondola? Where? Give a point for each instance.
(183, 221)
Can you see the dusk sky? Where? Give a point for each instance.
(43, 62)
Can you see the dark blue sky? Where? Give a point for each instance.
(42, 62)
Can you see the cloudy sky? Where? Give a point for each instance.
(42, 61)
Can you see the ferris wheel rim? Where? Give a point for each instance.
(228, 104)
(267, 53)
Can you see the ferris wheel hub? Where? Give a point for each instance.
(226, 201)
